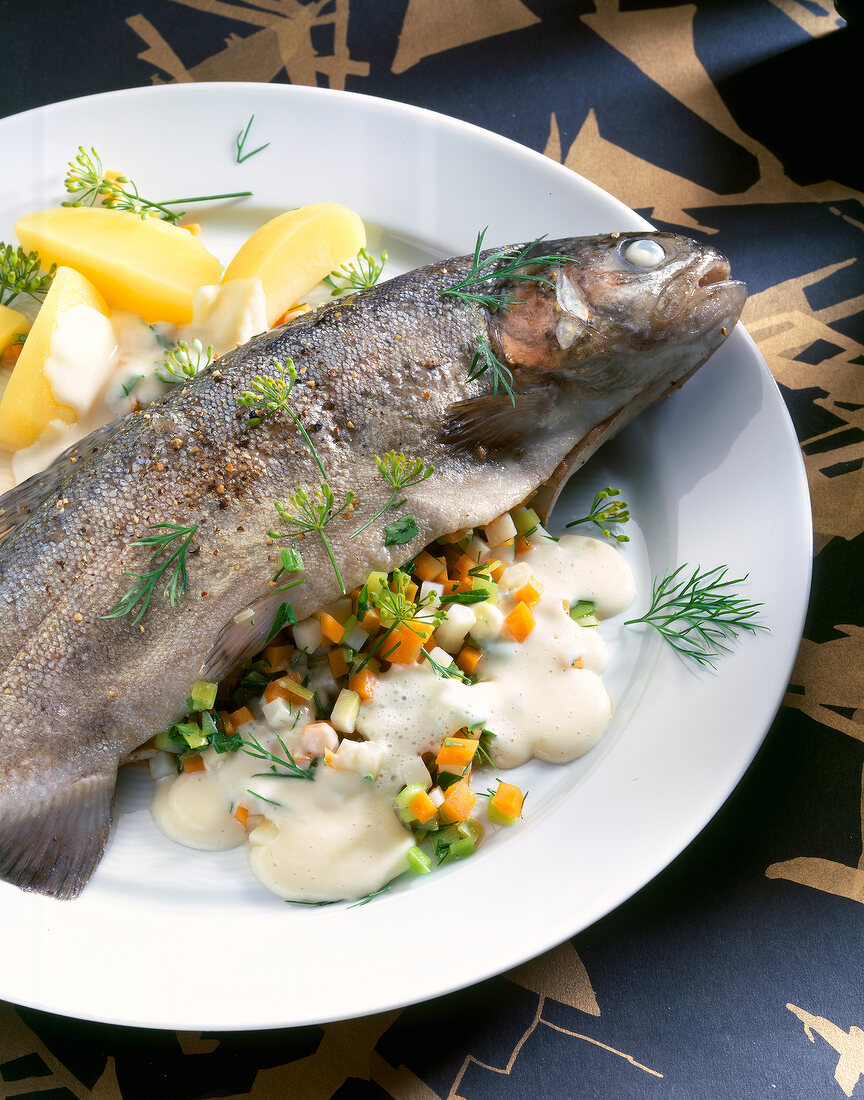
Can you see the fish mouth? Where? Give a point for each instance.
(705, 294)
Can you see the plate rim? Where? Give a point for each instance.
(475, 972)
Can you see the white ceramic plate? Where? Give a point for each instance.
(597, 830)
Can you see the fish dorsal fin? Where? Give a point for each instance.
(25, 499)
(495, 423)
(55, 847)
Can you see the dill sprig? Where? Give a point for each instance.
(485, 359)
(87, 179)
(604, 511)
(270, 395)
(145, 583)
(444, 672)
(19, 274)
(311, 515)
(291, 769)
(399, 472)
(240, 142)
(360, 276)
(396, 609)
(503, 263)
(697, 615)
(185, 361)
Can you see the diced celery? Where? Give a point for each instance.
(526, 520)
(418, 861)
(192, 735)
(203, 694)
(583, 612)
(496, 816)
(470, 827)
(463, 847)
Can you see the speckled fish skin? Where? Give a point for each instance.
(385, 369)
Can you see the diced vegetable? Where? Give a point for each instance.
(422, 807)
(458, 802)
(489, 622)
(144, 265)
(520, 622)
(427, 567)
(307, 635)
(338, 664)
(404, 644)
(240, 717)
(418, 861)
(242, 815)
(193, 764)
(317, 737)
(278, 657)
(584, 612)
(364, 683)
(526, 521)
(505, 806)
(469, 657)
(529, 593)
(203, 695)
(485, 584)
(456, 752)
(331, 628)
(500, 530)
(345, 710)
(450, 633)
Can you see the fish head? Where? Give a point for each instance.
(622, 311)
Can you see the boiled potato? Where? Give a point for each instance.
(12, 323)
(28, 404)
(294, 251)
(147, 266)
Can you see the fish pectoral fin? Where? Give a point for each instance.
(496, 423)
(55, 848)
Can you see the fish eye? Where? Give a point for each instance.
(643, 253)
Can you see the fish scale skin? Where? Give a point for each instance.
(79, 691)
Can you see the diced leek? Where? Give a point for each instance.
(418, 861)
(465, 846)
(583, 612)
(163, 741)
(485, 584)
(203, 694)
(403, 799)
(345, 711)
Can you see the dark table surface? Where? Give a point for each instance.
(738, 971)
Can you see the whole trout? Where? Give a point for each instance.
(614, 324)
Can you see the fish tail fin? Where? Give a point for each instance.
(55, 849)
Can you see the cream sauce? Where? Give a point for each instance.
(338, 836)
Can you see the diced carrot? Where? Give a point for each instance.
(458, 802)
(331, 628)
(404, 645)
(287, 687)
(455, 536)
(193, 764)
(508, 799)
(468, 659)
(422, 806)
(371, 621)
(241, 813)
(226, 722)
(456, 752)
(523, 544)
(495, 569)
(428, 568)
(364, 683)
(338, 665)
(192, 227)
(578, 662)
(328, 758)
(278, 657)
(451, 586)
(11, 353)
(529, 593)
(520, 622)
(411, 591)
(291, 311)
(463, 566)
(240, 717)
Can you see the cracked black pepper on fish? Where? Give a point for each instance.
(613, 328)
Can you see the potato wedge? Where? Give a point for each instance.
(294, 251)
(148, 266)
(28, 404)
(12, 323)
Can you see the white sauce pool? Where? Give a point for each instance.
(338, 836)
